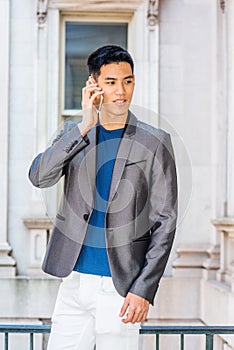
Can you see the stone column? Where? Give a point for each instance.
(7, 263)
(230, 110)
(47, 108)
(224, 107)
(38, 208)
(153, 58)
(224, 152)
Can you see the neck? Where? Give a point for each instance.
(113, 122)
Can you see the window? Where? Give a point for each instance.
(81, 38)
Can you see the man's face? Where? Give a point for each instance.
(117, 81)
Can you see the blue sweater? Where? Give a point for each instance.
(93, 256)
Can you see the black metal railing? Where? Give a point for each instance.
(208, 331)
(30, 329)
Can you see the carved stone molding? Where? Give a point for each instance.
(97, 5)
(42, 9)
(195, 259)
(153, 11)
(225, 228)
(39, 232)
(7, 263)
(38, 223)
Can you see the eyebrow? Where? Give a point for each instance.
(128, 77)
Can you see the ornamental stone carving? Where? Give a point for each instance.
(42, 9)
(223, 5)
(153, 11)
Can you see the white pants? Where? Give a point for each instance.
(87, 313)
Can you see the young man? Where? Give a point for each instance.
(116, 222)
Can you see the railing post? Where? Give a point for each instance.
(31, 341)
(6, 341)
(182, 342)
(209, 341)
(157, 341)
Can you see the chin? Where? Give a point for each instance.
(117, 110)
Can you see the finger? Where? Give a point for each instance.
(86, 92)
(89, 92)
(90, 81)
(95, 95)
(124, 307)
(129, 317)
(93, 92)
(138, 315)
(91, 85)
(144, 316)
(90, 88)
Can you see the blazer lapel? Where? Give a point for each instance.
(121, 158)
(122, 154)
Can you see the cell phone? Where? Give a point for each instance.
(100, 104)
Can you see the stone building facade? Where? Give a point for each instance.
(184, 57)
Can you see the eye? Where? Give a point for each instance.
(128, 81)
(111, 82)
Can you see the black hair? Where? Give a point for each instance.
(106, 55)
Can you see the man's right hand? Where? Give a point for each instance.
(90, 116)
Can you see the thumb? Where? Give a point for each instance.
(124, 307)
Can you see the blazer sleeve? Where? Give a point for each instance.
(48, 167)
(163, 216)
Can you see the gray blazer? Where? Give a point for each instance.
(141, 210)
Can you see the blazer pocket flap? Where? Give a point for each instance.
(137, 162)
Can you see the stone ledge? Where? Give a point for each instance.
(224, 224)
(194, 259)
(97, 5)
(38, 223)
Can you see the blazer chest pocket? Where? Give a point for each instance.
(135, 172)
(60, 217)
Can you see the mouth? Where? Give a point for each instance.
(120, 102)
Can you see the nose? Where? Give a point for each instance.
(120, 89)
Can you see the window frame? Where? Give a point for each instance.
(96, 18)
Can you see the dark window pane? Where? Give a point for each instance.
(81, 40)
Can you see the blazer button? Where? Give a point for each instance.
(86, 216)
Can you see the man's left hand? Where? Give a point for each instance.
(137, 307)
